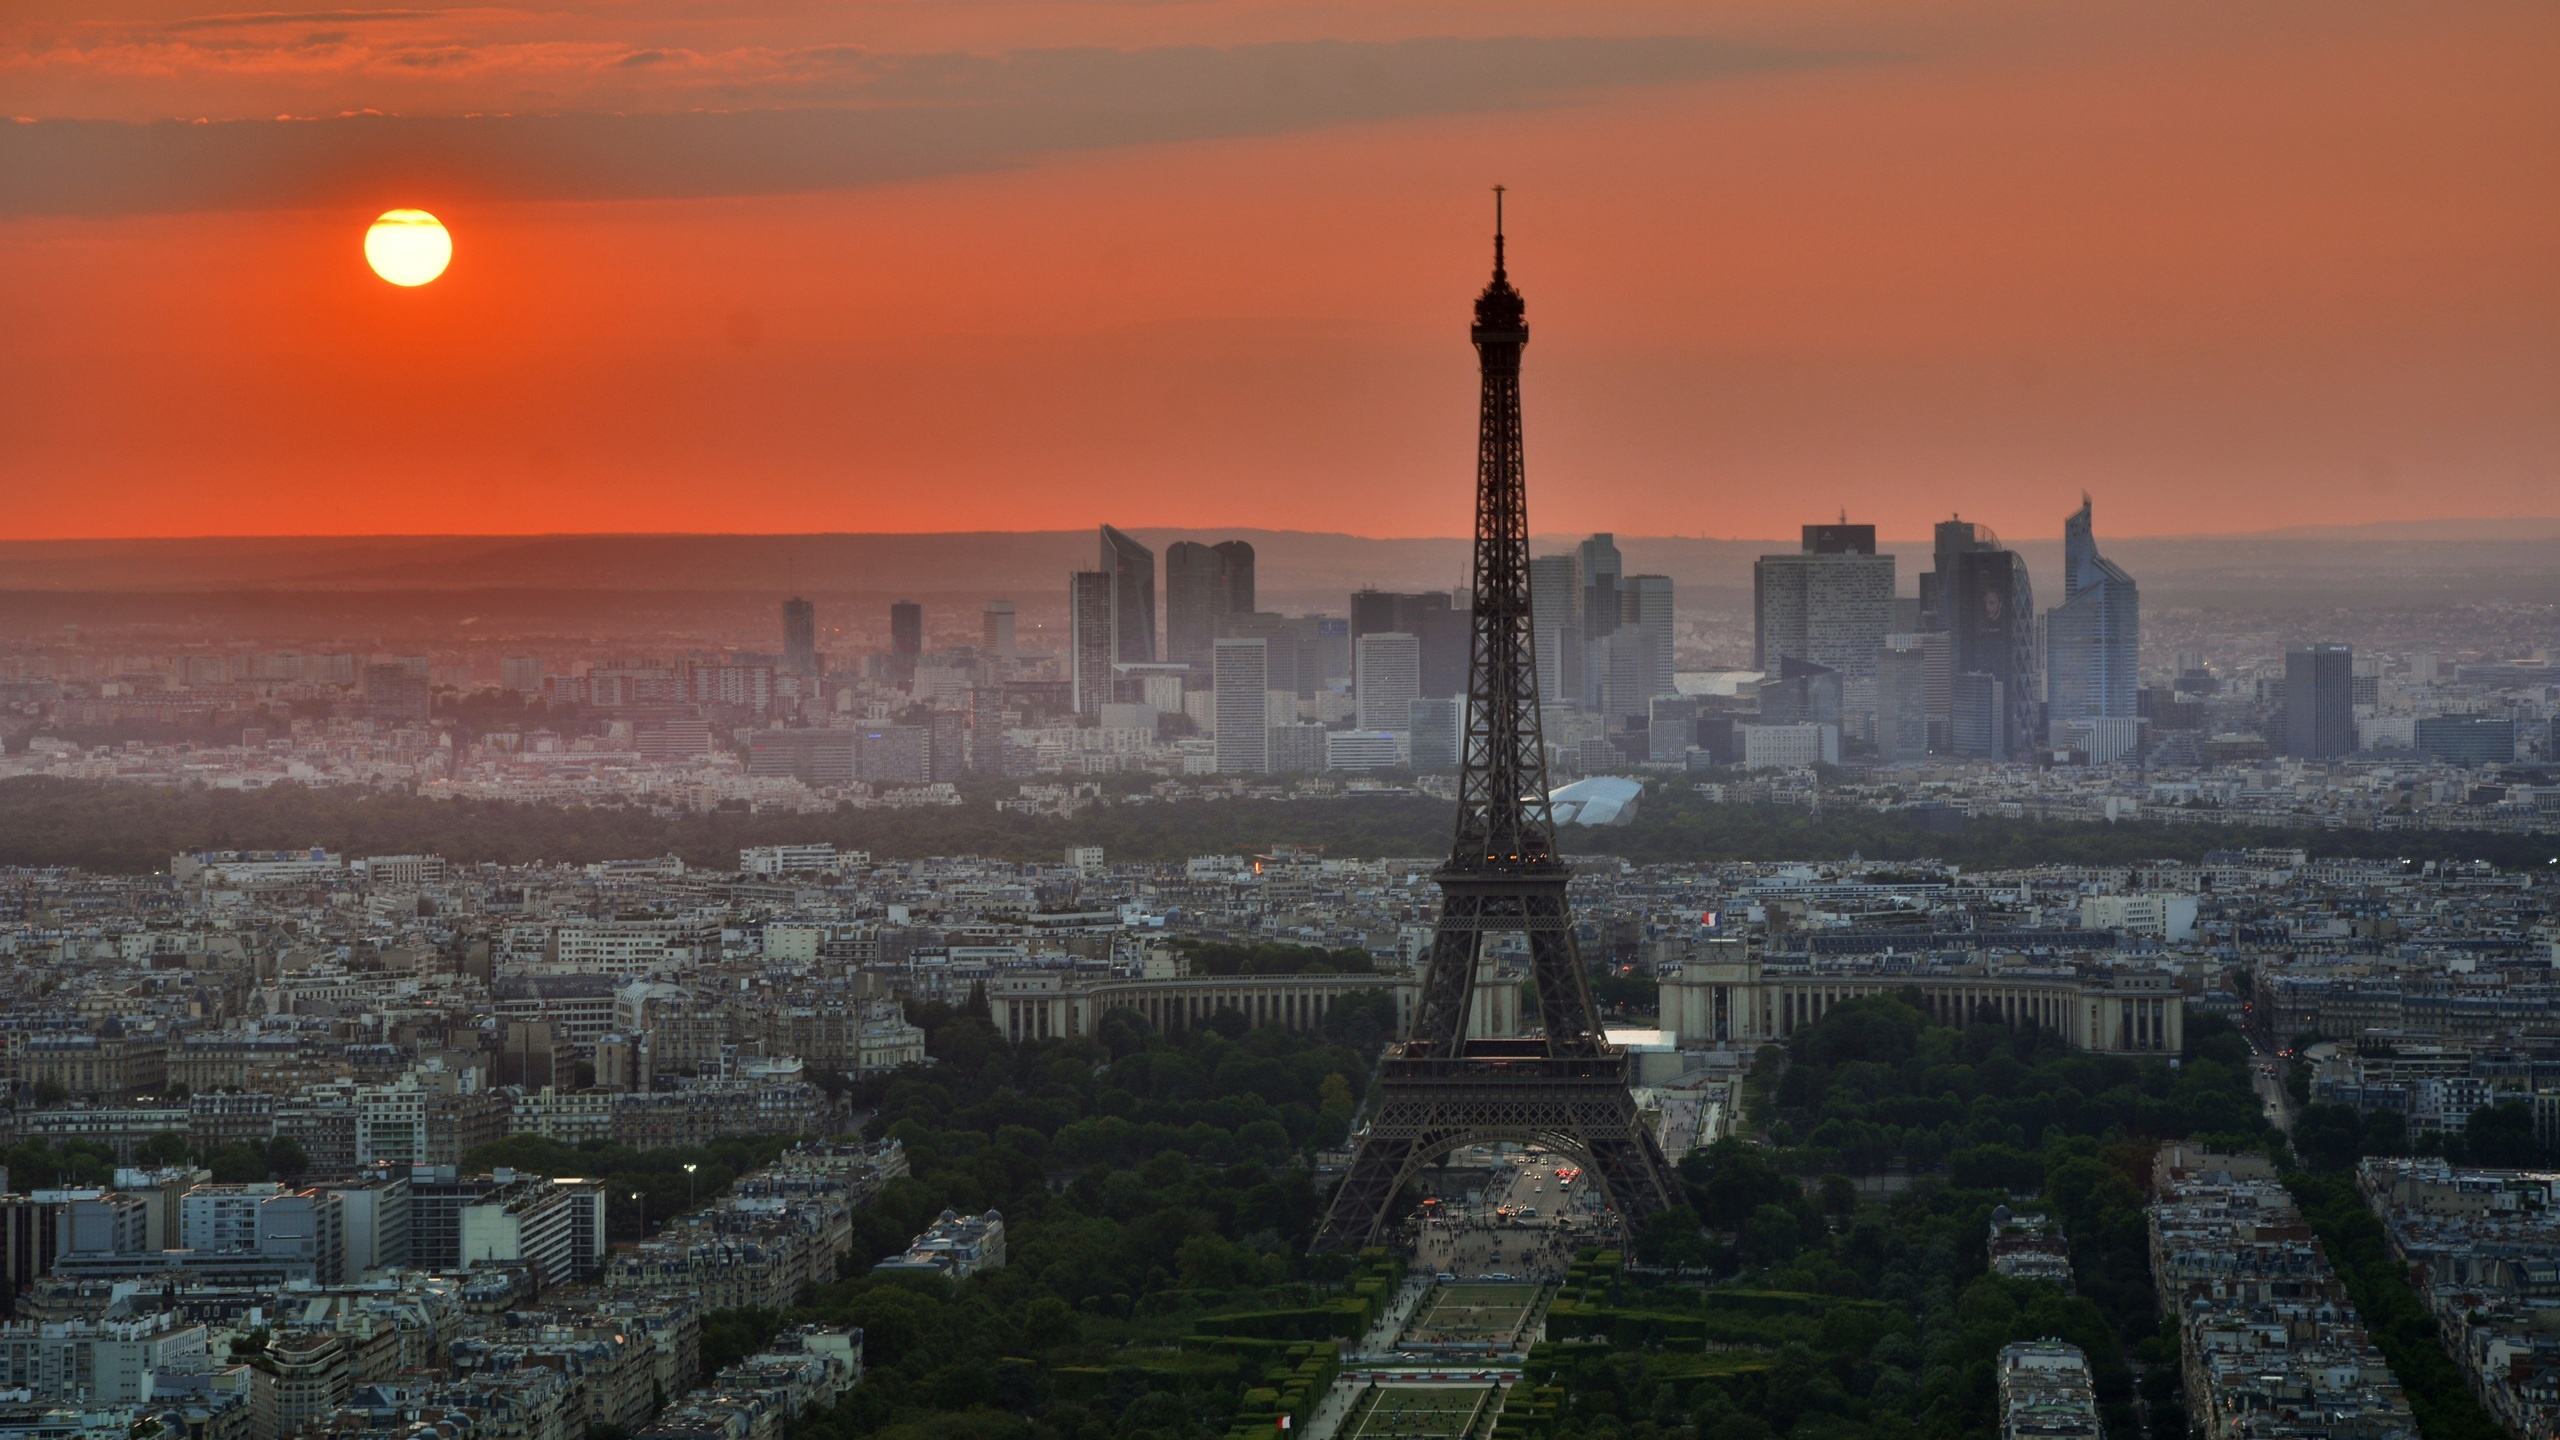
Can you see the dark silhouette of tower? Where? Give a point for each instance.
(906, 639)
(1566, 1087)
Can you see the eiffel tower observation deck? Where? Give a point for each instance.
(1564, 1087)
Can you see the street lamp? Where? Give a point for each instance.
(641, 1199)
(688, 1185)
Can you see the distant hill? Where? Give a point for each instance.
(2310, 565)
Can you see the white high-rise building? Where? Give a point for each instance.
(1242, 671)
(1387, 679)
(999, 628)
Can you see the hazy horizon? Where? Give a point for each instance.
(2445, 528)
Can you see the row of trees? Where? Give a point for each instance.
(91, 1164)
(2500, 1136)
(1878, 1084)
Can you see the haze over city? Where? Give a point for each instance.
(1056, 720)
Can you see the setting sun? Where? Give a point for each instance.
(408, 247)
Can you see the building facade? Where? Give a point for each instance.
(1747, 1001)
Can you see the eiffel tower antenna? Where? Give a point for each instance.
(1565, 1086)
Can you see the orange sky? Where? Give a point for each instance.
(1007, 265)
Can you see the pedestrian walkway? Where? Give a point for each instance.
(1381, 1339)
(1334, 1408)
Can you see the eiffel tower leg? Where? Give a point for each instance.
(1632, 1168)
(1358, 1215)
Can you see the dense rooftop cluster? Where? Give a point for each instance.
(2268, 1341)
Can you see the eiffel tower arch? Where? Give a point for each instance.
(1565, 1087)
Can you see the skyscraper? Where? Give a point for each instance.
(1911, 688)
(1954, 537)
(1434, 741)
(1203, 584)
(1387, 678)
(1980, 718)
(1195, 599)
(1841, 539)
(906, 638)
(1648, 612)
(1602, 574)
(1240, 677)
(1621, 674)
(1089, 639)
(1433, 619)
(1830, 603)
(799, 636)
(1992, 608)
(1235, 566)
(2092, 639)
(1555, 620)
(999, 629)
(2319, 709)
(1132, 568)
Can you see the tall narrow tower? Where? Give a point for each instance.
(1565, 1087)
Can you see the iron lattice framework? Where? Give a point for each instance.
(1565, 1088)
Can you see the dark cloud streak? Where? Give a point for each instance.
(910, 117)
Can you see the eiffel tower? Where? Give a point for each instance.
(1566, 1087)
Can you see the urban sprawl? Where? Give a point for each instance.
(380, 1019)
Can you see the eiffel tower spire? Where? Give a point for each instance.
(1566, 1086)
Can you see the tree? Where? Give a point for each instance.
(49, 1093)
(286, 1158)
(165, 1148)
(2386, 1132)
(1672, 1238)
(2331, 1137)
(2501, 1136)
(237, 1163)
(1771, 1236)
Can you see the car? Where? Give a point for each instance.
(1445, 1278)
